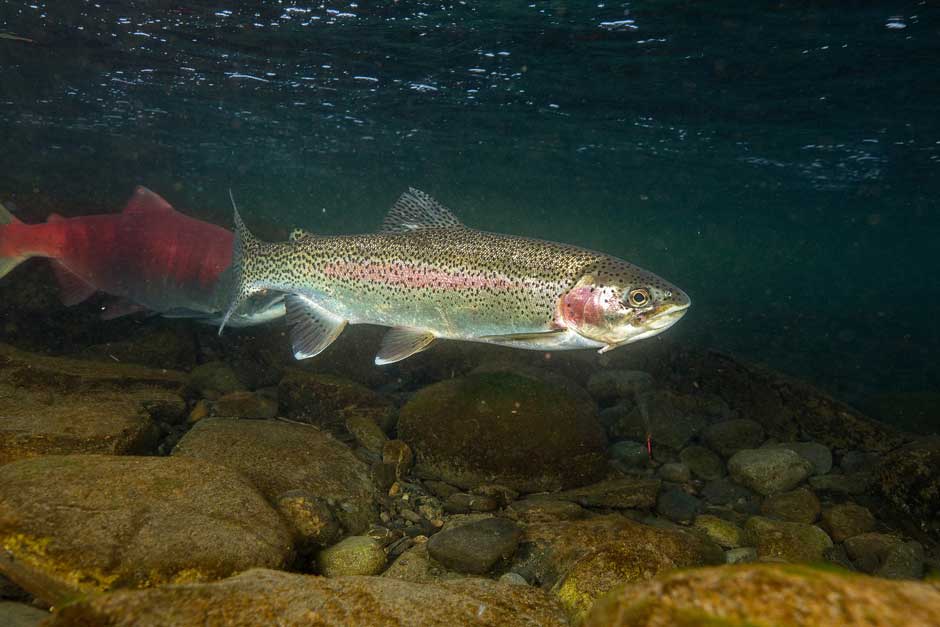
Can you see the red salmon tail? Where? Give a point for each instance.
(7, 263)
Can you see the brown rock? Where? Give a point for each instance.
(910, 479)
(367, 433)
(768, 595)
(279, 457)
(327, 401)
(799, 505)
(787, 541)
(491, 428)
(581, 560)
(243, 404)
(265, 597)
(846, 520)
(623, 493)
(87, 523)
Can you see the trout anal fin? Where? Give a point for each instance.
(312, 328)
(400, 343)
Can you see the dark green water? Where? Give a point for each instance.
(780, 161)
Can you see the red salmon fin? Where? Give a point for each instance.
(54, 217)
(73, 288)
(145, 201)
(119, 307)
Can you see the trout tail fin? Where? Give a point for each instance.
(7, 262)
(241, 280)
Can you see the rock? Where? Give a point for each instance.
(86, 523)
(310, 518)
(244, 404)
(267, 597)
(903, 561)
(722, 532)
(859, 461)
(581, 560)
(787, 541)
(513, 579)
(743, 555)
(768, 594)
(491, 428)
(677, 505)
(415, 565)
(399, 454)
(846, 520)
(367, 433)
(769, 471)
(799, 505)
(475, 547)
(499, 493)
(214, 379)
(724, 492)
(56, 405)
(605, 385)
(909, 478)
(460, 503)
(632, 454)
(675, 472)
(730, 436)
(703, 463)
(671, 419)
(818, 455)
(869, 550)
(355, 555)
(327, 401)
(279, 457)
(20, 615)
(170, 347)
(623, 493)
(534, 510)
(440, 489)
(852, 485)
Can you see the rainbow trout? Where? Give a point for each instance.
(428, 276)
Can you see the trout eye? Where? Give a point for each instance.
(639, 297)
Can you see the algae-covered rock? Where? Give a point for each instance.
(355, 555)
(503, 428)
(815, 453)
(580, 560)
(910, 479)
(722, 532)
(86, 523)
(702, 462)
(768, 594)
(769, 470)
(279, 457)
(730, 436)
(20, 615)
(669, 418)
(328, 401)
(244, 404)
(846, 520)
(623, 493)
(266, 597)
(214, 379)
(787, 541)
(800, 505)
(310, 518)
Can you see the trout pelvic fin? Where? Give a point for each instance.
(312, 328)
(416, 210)
(400, 343)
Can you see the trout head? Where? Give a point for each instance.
(620, 305)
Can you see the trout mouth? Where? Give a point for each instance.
(650, 323)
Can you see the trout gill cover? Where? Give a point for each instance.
(428, 276)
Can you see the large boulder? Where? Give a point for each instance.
(265, 597)
(57, 405)
(279, 457)
(768, 595)
(503, 428)
(580, 560)
(909, 478)
(88, 523)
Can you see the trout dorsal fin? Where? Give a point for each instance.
(144, 201)
(416, 210)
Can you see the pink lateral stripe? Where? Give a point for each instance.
(408, 276)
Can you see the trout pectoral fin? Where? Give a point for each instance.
(312, 328)
(523, 337)
(400, 343)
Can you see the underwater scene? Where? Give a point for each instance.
(469, 313)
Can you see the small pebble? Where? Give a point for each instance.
(513, 579)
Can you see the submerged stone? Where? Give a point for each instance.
(800, 505)
(846, 520)
(328, 401)
(788, 541)
(768, 594)
(769, 471)
(268, 597)
(475, 547)
(88, 523)
(506, 429)
(279, 457)
(909, 478)
(623, 493)
(702, 462)
(730, 436)
(355, 555)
